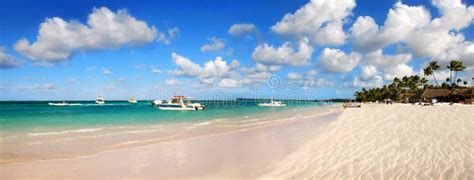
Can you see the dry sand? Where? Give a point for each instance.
(389, 142)
(372, 142)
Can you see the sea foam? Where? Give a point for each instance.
(65, 132)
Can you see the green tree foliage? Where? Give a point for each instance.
(413, 84)
(406, 85)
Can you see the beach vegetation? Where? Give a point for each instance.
(413, 86)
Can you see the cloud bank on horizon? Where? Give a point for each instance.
(322, 44)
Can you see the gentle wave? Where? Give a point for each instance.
(141, 131)
(65, 132)
(204, 123)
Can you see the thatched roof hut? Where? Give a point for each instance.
(435, 93)
(464, 92)
(465, 95)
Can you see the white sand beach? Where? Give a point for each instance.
(372, 142)
(389, 142)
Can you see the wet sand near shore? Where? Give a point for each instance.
(248, 151)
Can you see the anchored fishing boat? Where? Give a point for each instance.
(132, 100)
(272, 103)
(99, 100)
(64, 103)
(178, 103)
(58, 104)
(273, 82)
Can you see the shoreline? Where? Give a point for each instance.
(129, 136)
(229, 154)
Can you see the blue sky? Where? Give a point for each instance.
(224, 49)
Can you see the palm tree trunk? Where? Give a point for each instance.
(451, 77)
(435, 79)
(455, 76)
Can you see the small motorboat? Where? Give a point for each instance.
(350, 104)
(99, 100)
(272, 103)
(64, 103)
(132, 100)
(59, 104)
(178, 103)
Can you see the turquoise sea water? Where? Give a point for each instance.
(16, 116)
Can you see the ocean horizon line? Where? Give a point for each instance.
(120, 100)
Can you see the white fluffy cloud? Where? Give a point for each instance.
(294, 76)
(187, 68)
(59, 39)
(106, 71)
(307, 80)
(216, 71)
(216, 45)
(283, 55)
(258, 74)
(320, 21)
(155, 69)
(256, 77)
(336, 61)
(401, 21)
(376, 68)
(390, 65)
(242, 29)
(230, 83)
(440, 38)
(166, 38)
(7, 61)
(399, 70)
(363, 32)
(375, 81)
(368, 71)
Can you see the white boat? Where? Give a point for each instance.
(132, 100)
(59, 104)
(272, 103)
(99, 100)
(64, 103)
(351, 104)
(178, 103)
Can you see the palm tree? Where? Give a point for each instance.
(434, 66)
(455, 66)
(427, 71)
(423, 82)
(459, 67)
(451, 66)
(414, 82)
(458, 81)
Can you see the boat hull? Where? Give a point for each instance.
(271, 105)
(64, 104)
(58, 104)
(172, 107)
(177, 108)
